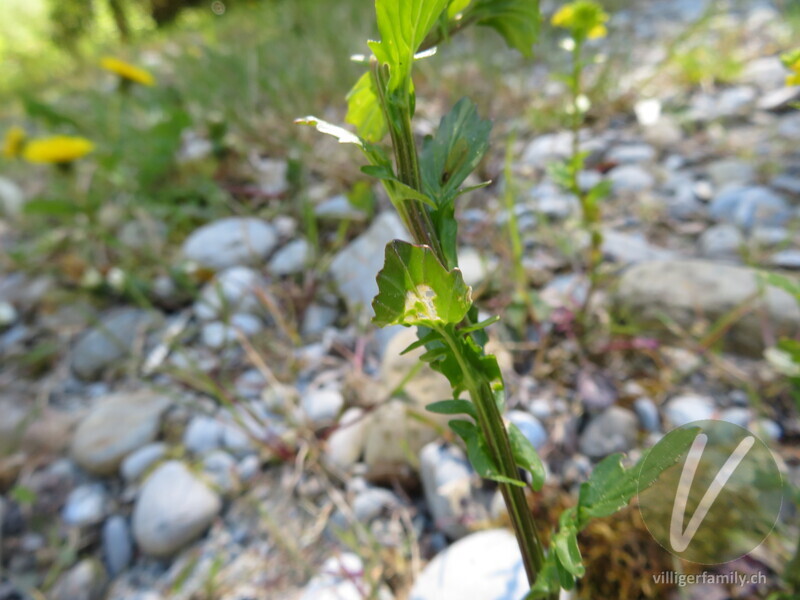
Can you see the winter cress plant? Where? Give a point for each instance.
(584, 20)
(421, 285)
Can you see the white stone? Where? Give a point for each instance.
(530, 427)
(105, 345)
(631, 178)
(8, 314)
(355, 267)
(322, 406)
(230, 242)
(447, 483)
(338, 207)
(116, 426)
(291, 259)
(12, 198)
(613, 430)
(687, 409)
(203, 434)
(172, 510)
(486, 565)
(631, 248)
(648, 111)
(346, 444)
(137, 462)
(233, 290)
(473, 266)
(682, 290)
(85, 505)
(723, 241)
(341, 578)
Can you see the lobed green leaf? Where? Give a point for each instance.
(414, 288)
(611, 486)
(455, 151)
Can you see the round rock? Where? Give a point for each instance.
(203, 434)
(116, 426)
(117, 544)
(230, 242)
(136, 463)
(105, 345)
(85, 581)
(291, 259)
(86, 505)
(688, 408)
(173, 509)
(613, 430)
(482, 565)
(446, 481)
(321, 406)
(530, 427)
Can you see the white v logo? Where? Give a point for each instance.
(678, 538)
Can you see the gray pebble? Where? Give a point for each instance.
(117, 544)
(86, 505)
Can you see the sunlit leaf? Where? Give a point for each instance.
(414, 288)
(364, 110)
(340, 133)
(456, 6)
(403, 25)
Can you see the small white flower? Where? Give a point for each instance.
(583, 103)
(568, 44)
(91, 278)
(782, 362)
(8, 314)
(116, 278)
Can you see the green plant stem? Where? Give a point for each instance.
(587, 211)
(520, 277)
(577, 118)
(793, 571)
(413, 212)
(491, 423)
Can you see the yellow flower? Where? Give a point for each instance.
(564, 17)
(127, 71)
(585, 18)
(15, 140)
(598, 31)
(60, 149)
(792, 62)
